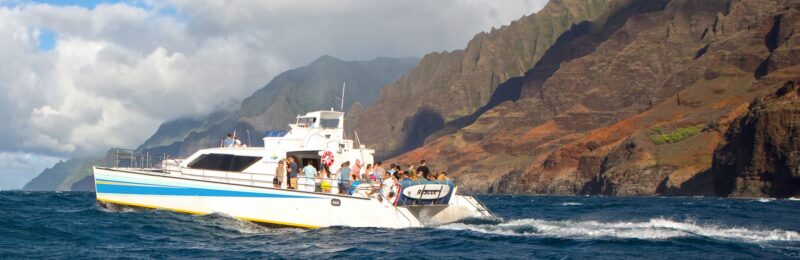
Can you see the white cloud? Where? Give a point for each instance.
(118, 70)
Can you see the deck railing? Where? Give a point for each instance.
(163, 164)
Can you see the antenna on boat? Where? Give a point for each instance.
(358, 141)
(249, 144)
(344, 85)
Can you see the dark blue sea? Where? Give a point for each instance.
(69, 225)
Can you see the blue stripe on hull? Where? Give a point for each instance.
(127, 188)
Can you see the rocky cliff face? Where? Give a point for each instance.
(633, 103)
(447, 86)
(760, 154)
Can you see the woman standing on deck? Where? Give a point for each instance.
(280, 174)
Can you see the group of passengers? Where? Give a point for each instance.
(309, 178)
(231, 140)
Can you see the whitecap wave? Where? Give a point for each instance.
(654, 229)
(765, 200)
(571, 204)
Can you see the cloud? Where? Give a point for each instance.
(109, 74)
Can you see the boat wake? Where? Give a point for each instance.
(654, 229)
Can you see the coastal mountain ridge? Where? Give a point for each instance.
(638, 102)
(449, 85)
(316, 86)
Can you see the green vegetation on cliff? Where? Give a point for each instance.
(659, 137)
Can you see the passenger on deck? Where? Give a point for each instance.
(292, 173)
(228, 142)
(410, 167)
(325, 176)
(387, 187)
(355, 171)
(406, 175)
(392, 169)
(442, 176)
(413, 176)
(308, 183)
(397, 175)
(344, 178)
(431, 177)
(237, 142)
(280, 173)
(378, 171)
(423, 170)
(367, 172)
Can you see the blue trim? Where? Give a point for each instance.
(139, 183)
(184, 191)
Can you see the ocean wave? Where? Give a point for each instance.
(765, 200)
(571, 204)
(654, 229)
(231, 223)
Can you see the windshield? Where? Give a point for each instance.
(329, 123)
(306, 121)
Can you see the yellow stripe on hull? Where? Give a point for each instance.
(204, 213)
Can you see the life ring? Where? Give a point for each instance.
(327, 158)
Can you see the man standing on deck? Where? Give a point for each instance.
(308, 179)
(423, 169)
(292, 173)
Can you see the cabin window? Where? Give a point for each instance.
(223, 162)
(306, 121)
(329, 123)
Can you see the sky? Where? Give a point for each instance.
(80, 77)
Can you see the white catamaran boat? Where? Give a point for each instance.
(238, 182)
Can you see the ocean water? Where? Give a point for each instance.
(69, 225)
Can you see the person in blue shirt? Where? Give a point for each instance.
(292, 173)
(344, 178)
(310, 172)
(228, 142)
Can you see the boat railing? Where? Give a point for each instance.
(138, 160)
(164, 164)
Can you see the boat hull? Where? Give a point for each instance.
(257, 204)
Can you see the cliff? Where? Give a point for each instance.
(760, 153)
(450, 85)
(632, 103)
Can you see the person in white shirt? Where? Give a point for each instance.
(387, 187)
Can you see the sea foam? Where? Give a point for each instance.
(654, 229)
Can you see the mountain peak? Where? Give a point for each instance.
(326, 58)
